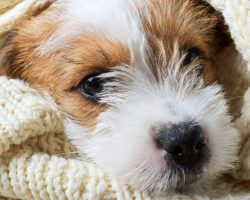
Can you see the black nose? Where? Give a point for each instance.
(185, 143)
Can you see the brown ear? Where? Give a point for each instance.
(19, 54)
(223, 37)
(19, 50)
(7, 53)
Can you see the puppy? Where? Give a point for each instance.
(135, 80)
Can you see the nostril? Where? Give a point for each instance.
(176, 150)
(185, 144)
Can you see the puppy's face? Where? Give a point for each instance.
(135, 79)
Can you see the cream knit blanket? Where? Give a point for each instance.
(37, 162)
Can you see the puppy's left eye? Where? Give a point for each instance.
(190, 55)
(91, 87)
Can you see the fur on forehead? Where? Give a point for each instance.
(190, 22)
(132, 22)
(115, 19)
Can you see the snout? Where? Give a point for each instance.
(185, 144)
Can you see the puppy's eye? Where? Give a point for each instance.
(191, 55)
(91, 87)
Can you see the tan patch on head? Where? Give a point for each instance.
(61, 71)
(185, 23)
(84, 56)
(19, 54)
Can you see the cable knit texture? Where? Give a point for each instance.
(37, 161)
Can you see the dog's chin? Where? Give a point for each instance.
(172, 180)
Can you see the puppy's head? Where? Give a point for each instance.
(135, 79)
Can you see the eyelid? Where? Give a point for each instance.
(85, 95)
(86, 76)
(100, 77)
(198, 50)
(193, 49)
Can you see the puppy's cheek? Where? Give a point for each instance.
(122, 145)
(223, 140)
(132, 160)
(76, 133)
(222, 136)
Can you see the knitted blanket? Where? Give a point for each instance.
(37, 161)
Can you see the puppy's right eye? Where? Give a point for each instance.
(91, 87)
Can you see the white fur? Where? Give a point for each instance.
(121, 142)
(114, 19)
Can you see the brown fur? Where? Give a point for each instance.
(189, 22)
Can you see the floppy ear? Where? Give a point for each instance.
(19, 54)
(7, 52)
(223, 37)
